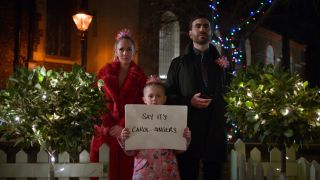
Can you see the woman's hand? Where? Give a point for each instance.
(100, 130)
(125, 134)
(115, 131)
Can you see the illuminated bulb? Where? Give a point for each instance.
(271, 90)
(34, 128)
(62, 169)
(17, 118)
(44, 97)
(285, 112)
(53, 159)
(249, 94)
(256, 117)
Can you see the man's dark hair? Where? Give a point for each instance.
(199, 16)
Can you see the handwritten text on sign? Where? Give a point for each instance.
(155, 126)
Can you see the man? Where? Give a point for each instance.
(197, 79)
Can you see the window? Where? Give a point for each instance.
(269, 55)
(169, 42)
(59, 27)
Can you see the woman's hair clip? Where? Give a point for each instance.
(124, 33)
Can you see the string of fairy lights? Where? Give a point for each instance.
(230, 41)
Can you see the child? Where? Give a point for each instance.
(154, 164)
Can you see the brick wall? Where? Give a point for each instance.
(7, 21)
(10, 12)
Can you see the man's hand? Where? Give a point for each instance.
(115, 131)
(198, 102)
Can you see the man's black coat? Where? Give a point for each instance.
(208, 128)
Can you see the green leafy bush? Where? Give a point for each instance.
(54, 109)
(274, 106)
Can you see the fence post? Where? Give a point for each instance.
(291, 154)
(242, 167)
(43, 157)
(270, 173)
(315, 170)
(275, 161)
(104, 158)
(255, 155)
(240, 148)
(63, 158)
(234, 165)
(259, 171)
(250, 170)
(21, 157)
(303, 169)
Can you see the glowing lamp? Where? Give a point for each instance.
(82, 20)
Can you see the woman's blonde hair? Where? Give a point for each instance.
(122, 34)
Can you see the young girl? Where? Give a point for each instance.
(156, 164)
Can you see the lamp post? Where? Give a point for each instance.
(82, 21)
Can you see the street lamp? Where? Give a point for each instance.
(82, 21)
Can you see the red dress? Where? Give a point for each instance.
(131, 92)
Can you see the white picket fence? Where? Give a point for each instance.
(254, 169)
(63, 169)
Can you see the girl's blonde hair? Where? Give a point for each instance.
(154, 80)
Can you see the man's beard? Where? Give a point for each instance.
(202, 41)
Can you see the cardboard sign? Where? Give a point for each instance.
(155, 126)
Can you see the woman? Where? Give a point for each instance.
(124, 82)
